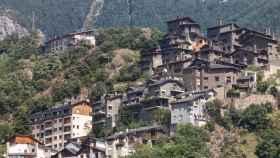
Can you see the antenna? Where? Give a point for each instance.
(33, 21)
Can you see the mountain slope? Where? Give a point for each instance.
(55, 17)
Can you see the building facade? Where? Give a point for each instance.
(189, 108)
(71, 40)
(56, 125)
(203, 75)
(25, 146)
(123, 144)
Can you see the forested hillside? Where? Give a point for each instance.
(31, 81)
(55, 17)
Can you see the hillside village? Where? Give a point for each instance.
(188, 71)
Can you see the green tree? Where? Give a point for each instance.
(161, 116)
(269, 147)
(254, 118)
(189, 142)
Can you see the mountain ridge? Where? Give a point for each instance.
(55, 21)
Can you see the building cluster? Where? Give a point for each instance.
(188, 70)
(71, 40)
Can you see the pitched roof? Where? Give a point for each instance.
(225, 25)
(199, 63)
(23, 139)
(181, 19)
(162, 82)
(134, 131)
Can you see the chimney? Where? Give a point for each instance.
(255, 48)
(220, 22)
(268, 31)
(273, 36)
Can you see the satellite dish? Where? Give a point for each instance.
(165, 70)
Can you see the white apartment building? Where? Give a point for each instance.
(59, 124)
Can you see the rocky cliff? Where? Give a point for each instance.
(9, 26)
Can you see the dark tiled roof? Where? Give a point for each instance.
(221, 26)
(134, 131)
(181, 19)
(162, 82)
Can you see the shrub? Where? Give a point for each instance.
(262, 87)
(254, 118)
(269, 146)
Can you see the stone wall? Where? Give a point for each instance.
(244, 102)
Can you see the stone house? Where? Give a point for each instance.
(166, 88)
(235, 38)
(150, 59)
(203, 75)
(123, 144)
(86, 147)
(70, 40)
(156, 95)
(106, 110)
(183, 37)
(189, 108)
(227, 34)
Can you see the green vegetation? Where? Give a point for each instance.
(269, 147)
(31, 81)
(233, 93)
(189, 142)
(255, 118)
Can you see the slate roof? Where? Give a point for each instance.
(135, 131)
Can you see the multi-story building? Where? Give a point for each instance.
(123, 144)
(70, 40)
(204, 75)
(156, 95)
(25, 146)
(234, 38)
(106, 109)
(183, 38)
(55, 126)
(189, 108)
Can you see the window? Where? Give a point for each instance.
(60, 120)
(217, 78)
(228, 79)
(67, 136)
(55, 138)
(110, 107)
(205, 87)
(67, 120)
(78, 126)
(60, 137)
(180, 117)
(205, 78)
(60, 128)
(67, 128)
(55, 129)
